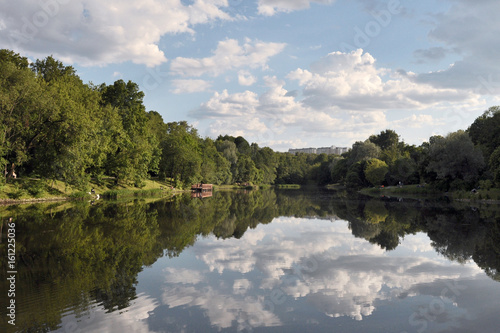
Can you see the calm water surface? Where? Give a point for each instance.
(261, 261)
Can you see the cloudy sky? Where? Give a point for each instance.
(282, 73)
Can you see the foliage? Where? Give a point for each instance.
(455, 159)
(375, 171)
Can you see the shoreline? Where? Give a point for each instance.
(5, 202)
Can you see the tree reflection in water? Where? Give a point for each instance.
(74, 256)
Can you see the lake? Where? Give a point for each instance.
(253, 261)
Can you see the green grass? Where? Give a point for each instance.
(38, 189)
(481, 195)
(404, 190)
(288, 186)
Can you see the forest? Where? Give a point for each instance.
(56, 127)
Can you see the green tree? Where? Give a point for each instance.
(454, 158)
(181, 154)
(246, 171)
(215, 169)
(375, 171)
(22, 111)
(228, 150)
(485, 131)
(242, 145)
(339, 169)
(355, 177)
(137, 147)
(386, 139)
(495, 166)
(265, 160)
(362, 151)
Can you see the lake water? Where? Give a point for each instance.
(259, 261)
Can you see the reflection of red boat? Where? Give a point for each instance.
(201, 190)
(201, 195)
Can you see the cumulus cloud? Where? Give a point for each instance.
(271, 7)
(245, 78)
(228, 55)
(342, 95)
(468, 28)
(96, 32)
(353, 81)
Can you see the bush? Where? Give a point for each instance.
(485, 184)
(17, 194)
(36, 189)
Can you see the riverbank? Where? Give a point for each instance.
(32, 190)
(491, 196)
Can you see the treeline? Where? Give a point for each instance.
(461, 160)
(54, 126)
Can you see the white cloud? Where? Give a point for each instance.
(271, 7)
(245, 78)
(228, 55)
(352, 81)
(417, 121)
(345, 96)
(96, 32)
(190, 86)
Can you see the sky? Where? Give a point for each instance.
(281, 73)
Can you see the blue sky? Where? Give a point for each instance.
(282, 73)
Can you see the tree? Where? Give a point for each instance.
(355, 177)
(181, 154)
(137, 147)
(214, 167)
(50, 69)
(495, 166)
(404, 170)
(485, 131)
(386, 139)
(375, 171)
(246, 171)
(362, 151)
(339, 169)
(48, 117)
(242, 145)
(8, 56)
(265, 161)
(21, 109)
(455, 158)
(228, 150)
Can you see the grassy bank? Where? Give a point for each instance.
(288, 186)
(416, 191)
(407, 190)
(38, 190)
(490, 195)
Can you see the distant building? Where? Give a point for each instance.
(324, 150)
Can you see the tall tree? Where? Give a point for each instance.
(485, 131)
(181, 154)
(137, 147)
(455, 159)
(362, 151)
(386, 139)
